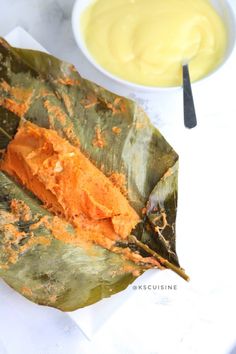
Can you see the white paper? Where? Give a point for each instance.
(19, 38)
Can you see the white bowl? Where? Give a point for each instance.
(223, 8)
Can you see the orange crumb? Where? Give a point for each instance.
(99, 141)
(119, 181)
(26, 291)
(116, 130)
(20, 209)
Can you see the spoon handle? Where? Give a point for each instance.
(190, 119)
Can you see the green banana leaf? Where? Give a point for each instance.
(118, 138)
(51, 272)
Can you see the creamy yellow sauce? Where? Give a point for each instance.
(147, 41)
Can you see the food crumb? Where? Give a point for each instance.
(144, 211)
(71, 136)
(99, 141)
(20, 210)
(140, 125)
(116, 130)
(26, 291)
(119, 181)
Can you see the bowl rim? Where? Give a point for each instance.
(75, 21)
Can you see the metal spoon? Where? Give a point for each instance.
(190, 119)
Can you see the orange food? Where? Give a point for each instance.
(69, 184)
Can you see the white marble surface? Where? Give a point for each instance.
(198, 318)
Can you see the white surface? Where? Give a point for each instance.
(199, 317)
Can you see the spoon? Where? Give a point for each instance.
(190, 119)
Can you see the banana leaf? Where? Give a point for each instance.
(47, 270)
(119, 139)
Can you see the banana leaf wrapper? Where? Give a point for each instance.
(119, 139)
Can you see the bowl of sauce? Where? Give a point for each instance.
(144, 43)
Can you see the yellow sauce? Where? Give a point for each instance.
(147, 41)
